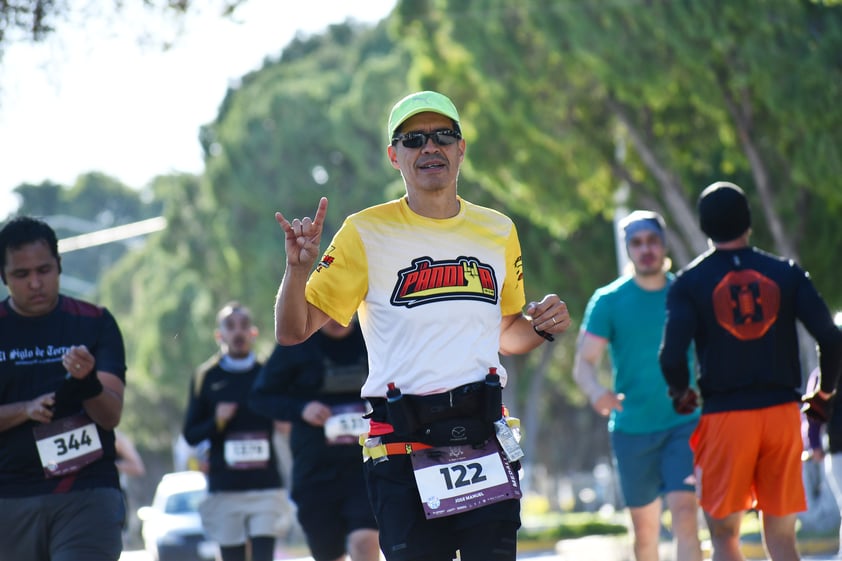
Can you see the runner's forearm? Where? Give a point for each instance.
(585, 375)
(12, 415)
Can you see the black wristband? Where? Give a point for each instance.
(80, 388)
(544, 334)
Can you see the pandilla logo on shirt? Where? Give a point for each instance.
(426, 280)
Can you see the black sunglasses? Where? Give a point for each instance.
(417, 139)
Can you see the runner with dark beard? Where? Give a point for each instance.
(245, 501)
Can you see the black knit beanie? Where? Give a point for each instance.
(723, 212)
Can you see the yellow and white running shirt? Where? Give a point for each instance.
(430, 293)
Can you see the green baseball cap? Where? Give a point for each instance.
(419, 102)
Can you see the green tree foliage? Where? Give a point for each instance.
(291, 133)
(567, 102)
(564, 104)
(300, 128)
(29, 18)
(33, 20)
(160, 295)
(690, 93)
(94, 202)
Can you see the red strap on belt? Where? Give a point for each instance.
(393, 448)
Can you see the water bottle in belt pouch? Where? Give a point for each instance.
(493, 396)
(398, 410)
(494, 413)
(508, 441)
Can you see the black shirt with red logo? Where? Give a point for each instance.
(740, 307)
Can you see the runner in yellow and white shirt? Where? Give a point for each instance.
(438, 286)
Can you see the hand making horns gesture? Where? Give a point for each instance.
(302, 236)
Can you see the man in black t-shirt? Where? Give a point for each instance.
(62, 377)
(316, 386)
(245, 502)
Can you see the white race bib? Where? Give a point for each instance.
(247, 450)
(454, 479)
(67, 445)
(346, 424)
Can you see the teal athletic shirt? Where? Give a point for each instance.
(632, 320)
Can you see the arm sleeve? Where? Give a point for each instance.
(678, 333)
(270, 394)
(814, 433)
(595, 323)
(199, 422)
(815, 315)
(110, 353)
(585, 375)
(513, 297)
(340, 280)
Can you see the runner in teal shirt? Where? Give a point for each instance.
(631, 319)
(649, 440)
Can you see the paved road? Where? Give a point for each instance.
(142, 556)
(544, 556)
(594, 548)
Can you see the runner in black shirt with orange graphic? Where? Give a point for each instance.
(740, 306)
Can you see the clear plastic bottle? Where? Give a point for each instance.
(507, 440)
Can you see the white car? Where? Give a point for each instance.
(172, 529)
